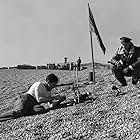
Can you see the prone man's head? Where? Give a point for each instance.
(52, 78)
(51, 81)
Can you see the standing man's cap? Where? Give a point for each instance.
(125, 39)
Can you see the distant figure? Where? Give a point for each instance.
(126, 62)
(79, 64)
(30, 102)
(65, 60)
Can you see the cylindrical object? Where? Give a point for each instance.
(71, 66)
(90, 76)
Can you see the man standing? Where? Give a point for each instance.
(126, 62)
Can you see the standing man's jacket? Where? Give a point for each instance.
(127, 58)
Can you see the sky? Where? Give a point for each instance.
(38, 32)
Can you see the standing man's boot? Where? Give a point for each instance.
(135, 80)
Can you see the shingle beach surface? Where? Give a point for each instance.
(109, 117)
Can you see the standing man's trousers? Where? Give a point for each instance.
(120, 76)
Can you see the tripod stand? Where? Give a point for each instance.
(76, 85)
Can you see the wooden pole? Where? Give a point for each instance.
(92, 57)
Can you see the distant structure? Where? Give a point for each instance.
(24, 66)
(42, 67)
(59, 66)
(14, 67)
(4, 68)
(51, 66)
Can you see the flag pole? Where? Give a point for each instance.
(93, 28)
(93, 64)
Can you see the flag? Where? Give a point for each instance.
(93, 28)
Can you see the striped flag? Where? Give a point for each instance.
(93, 28)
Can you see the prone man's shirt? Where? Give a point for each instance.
(38, 90)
